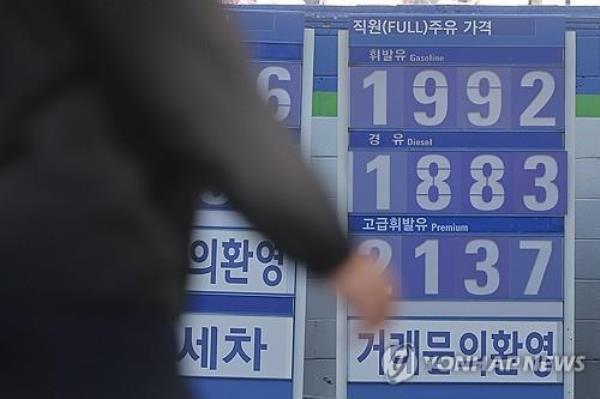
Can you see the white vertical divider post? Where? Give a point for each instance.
(305, 147)
(569, 263)
(343, 105)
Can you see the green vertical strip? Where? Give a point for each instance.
(324, 103)
(588, 105)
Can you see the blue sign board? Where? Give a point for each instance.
(241, 329)
(457, 183)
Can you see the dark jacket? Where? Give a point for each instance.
(114, 116)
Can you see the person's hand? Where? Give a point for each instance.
(361, 281)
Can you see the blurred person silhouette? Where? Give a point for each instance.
(115, 115)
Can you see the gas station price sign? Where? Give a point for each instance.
(242, 330)
(458, 183)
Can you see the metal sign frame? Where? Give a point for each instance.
(305, 146)
(569, 235)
